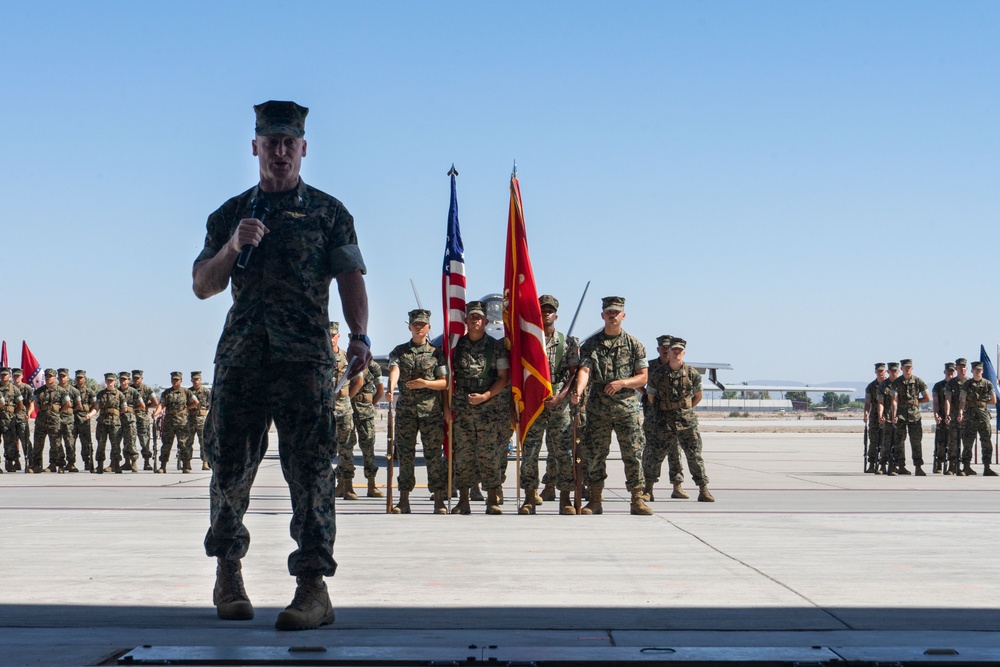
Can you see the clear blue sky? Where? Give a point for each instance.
(799, 189)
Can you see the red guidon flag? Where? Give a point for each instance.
(524, 331)
(31, 372)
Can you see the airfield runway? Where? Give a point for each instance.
(803, 558)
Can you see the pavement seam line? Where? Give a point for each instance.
(761, 573)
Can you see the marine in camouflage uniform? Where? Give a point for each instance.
(953, 393)
(941, 410)
(21, 418)
(481, 368)
(363, 407)
(871, 417)
(911, 391)
(344, 415)
(143, 424)
(50, 400)
(417, 370)
(176, 402)
(196, 421)
(674, 389)
(110, 404)
(885, 397)
(554, 423)
(10, 403)
(274, 361)
(977, 393)
(82, 414)
(614, 362)
(67, 460)
(652, 457)
(127, 432)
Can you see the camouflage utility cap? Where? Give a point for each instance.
(475, 307)
(977, 365)
(334, 328)
(280, 118)
(195, 375)
(664, 340)
(50, 372)
(880, 366)
(81, 374)
(893, 366)
(548, 300)
(613, 303)
(137, 374)
(906, 363)
(419, 315)
(109, 377)
(950, 366)
(63, 372)
(124, 375)
(16, 372)
(176, 375)
(678, 342)
(4, 371)
(961, 361)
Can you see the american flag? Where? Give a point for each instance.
(453, 280)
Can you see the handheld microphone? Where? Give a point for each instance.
(259, 209)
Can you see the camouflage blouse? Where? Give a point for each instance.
(362, 400)
(673, 392)
(281, 299)
(110, 402)
(908, 394)
(477, 365)
(175, 404)
(418, 362)
(977, 397)
(611, 358)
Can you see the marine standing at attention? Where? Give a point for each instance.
(974, 416)
(274, 361)
(417, 369)
(941, 407)
(910, 391)
(616, 363)
(871, 417)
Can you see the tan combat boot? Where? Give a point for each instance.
(548, 493)
(349, 490)
(499, 492)
(704, 495)
(373, 491)
(595, 505)
(532, 495)
(647, 492)
(310, 608)
(678, 493)
(339, 491)
(462, 507)
(229, 597)
(439, 504)
(527, 507)
(493, 502)
(403, 506)
(566, 503)
(475, 493)
(639, 506)
(205, 465)
(146, 464)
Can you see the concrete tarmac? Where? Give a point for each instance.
(803, 557)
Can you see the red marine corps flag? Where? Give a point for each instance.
(31, 372)
(522, 318)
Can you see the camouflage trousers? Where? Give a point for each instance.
(664, 439)
(915, 431)
(299, 398)
(56, 454)
(23, 435)
(66, 427)
(431, 429)
(874, 440)
(345, 450)
(126, 435)
(971, 427)
(955, 442)
(108, 430)
(167, 436)
(477, 447)
(605, 416)
(363, 435)
(940, 443)
(887, 449)
(556, 427)
(195, 429)
(8, 432)
(81, 430)
(142, 434)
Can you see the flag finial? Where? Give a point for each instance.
(453, 171)
(513, 173)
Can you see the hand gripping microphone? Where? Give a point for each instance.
(258, 209)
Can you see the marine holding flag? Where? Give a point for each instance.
(275, 361)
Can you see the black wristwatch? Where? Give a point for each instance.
(361, 337)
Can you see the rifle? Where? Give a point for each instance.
(864, 450)
(891, 469)
(390, 453)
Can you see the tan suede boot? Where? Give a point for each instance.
(493, 502)
(704, 496)
(439, 506)
(229, 596)
(595, 505)
(462, 507)
(566, 503)
(476, 494)
(678, 493)
(349, 490)
(310, 608)
(548, 493)
(403, 506)
(528, 507)
(373, 490)
(639, 505)
(647, 492)
(531, 495)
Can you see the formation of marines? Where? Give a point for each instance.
(961, 415)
